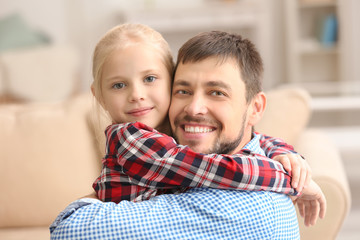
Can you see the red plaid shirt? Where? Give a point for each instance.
(141, 163)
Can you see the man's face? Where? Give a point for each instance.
(208, 111)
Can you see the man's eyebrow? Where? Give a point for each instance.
(181, 83)
(220, 84)
(208, 84)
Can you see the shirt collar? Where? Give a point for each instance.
(254, 145)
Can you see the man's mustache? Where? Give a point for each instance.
(196, 119)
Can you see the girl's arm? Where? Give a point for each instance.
(294, 163)
(274, 146)
(152, 159)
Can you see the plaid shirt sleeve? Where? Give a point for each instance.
(274, 146)
(152, 159)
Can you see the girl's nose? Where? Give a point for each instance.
(137, 93)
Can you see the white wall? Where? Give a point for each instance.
(96, 17)
(83, 22)
(49, 16)
(351, 9)
(79, 22)
(60, 18)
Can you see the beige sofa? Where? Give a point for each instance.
(49, 157)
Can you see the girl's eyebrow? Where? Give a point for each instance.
(150, 70)
(118, 77)
(114, 78)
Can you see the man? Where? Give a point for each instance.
(216, 101)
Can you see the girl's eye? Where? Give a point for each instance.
(118, 85)
(150, 79)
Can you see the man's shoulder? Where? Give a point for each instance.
(195, 214)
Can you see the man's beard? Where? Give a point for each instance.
(227, 147)
(220, 146)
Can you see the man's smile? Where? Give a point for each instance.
(197, 129)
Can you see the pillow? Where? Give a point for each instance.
(14, 33)
(2, 83)
(286, 115)
(44, 73)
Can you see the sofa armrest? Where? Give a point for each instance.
(328, 171)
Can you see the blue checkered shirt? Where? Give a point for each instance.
(200, 213)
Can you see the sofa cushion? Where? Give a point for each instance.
(44, 73)
(47, 160)
(15, 34)
(286, 115)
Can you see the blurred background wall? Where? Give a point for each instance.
(268, 23)
(81, 23)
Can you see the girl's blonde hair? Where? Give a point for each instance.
(120, 37)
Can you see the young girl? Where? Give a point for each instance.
(132, 70)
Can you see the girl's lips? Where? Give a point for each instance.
(139, 111)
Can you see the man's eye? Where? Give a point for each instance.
(118, 85)
(182, 92)
(150, 79)
(217, 93)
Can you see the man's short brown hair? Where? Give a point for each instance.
(226, 46)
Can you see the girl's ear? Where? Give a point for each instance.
(98, 98)
(93, 90)
(257, 108)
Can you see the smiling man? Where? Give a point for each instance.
(216, 101)
(217, 85)
(209, 111)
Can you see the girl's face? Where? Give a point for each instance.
(136, 86)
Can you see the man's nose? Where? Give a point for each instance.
(136, 93)
(196, 106)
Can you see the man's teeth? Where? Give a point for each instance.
(191, 129)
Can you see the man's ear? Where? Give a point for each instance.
(257, 108)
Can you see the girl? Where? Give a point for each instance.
(132, 70)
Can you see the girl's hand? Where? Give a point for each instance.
(311, 204)
(298, 168)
